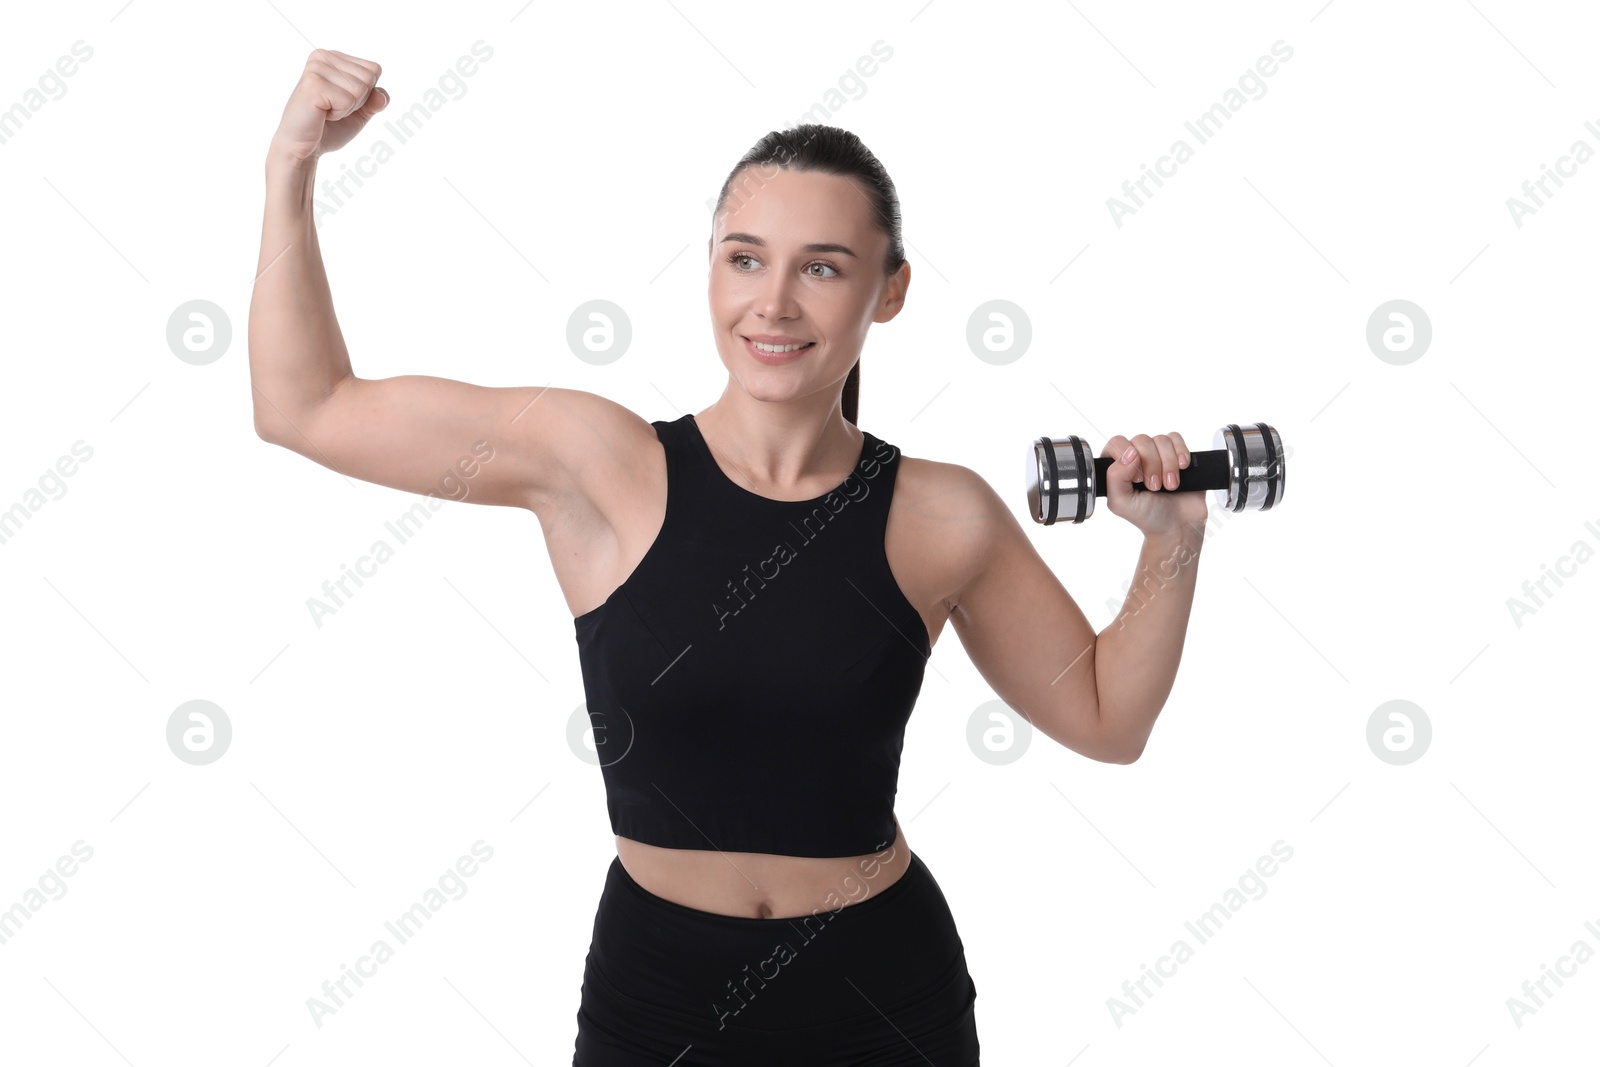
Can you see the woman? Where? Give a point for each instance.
(755, 589)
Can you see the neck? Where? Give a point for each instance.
(783, 448)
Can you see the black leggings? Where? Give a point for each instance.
(878, 983)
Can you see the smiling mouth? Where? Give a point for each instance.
(778, 350)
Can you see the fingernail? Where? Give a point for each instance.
(1127, 457)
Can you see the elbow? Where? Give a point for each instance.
(264, 416)
(1129, 754)
(274, 423)
(1116, 750)
(1120, 748)
(265, 422)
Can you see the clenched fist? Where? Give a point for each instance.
(335, 97)
(1155, 461)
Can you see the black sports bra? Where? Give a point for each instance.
(750, 682)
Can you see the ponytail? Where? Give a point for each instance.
(852, 392)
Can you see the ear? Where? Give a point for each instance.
(894, 294)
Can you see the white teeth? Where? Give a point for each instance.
(778, 348)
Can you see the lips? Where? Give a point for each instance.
(776, 358)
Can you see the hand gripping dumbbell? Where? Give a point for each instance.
(1245, 468)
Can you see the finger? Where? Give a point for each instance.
(1167, 474)
(377, 99)
(1121, 470)
(353, 93)
(354, 64)
(357, 76)
(1149, 461)
(335, 101)
(329, 97)
(361, 70)
(1181, 447)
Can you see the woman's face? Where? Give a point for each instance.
(796, 258)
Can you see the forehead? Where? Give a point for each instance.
(795, 206)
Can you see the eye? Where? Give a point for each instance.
(735, 257)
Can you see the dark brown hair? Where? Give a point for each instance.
(830, 150)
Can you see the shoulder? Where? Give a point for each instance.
(597, 444)
(927, 481)
(955, 516)
(598, 433)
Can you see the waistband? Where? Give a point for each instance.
(915, 874)
(700, 975)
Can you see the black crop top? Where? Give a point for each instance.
(750, 682)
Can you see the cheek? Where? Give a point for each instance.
(726, 295)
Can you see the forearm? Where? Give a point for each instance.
(1136, 656)
(297, 354)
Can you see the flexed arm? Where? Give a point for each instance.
(411, 431)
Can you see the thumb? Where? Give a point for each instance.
(376, 101)
(1125, 466)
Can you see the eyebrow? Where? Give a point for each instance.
(752, 239)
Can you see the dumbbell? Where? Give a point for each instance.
(1245, 468)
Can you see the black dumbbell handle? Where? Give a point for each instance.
(1206, 470)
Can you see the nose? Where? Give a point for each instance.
(777, 297)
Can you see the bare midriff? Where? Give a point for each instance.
(761, 885)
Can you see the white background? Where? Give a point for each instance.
(370, 753)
